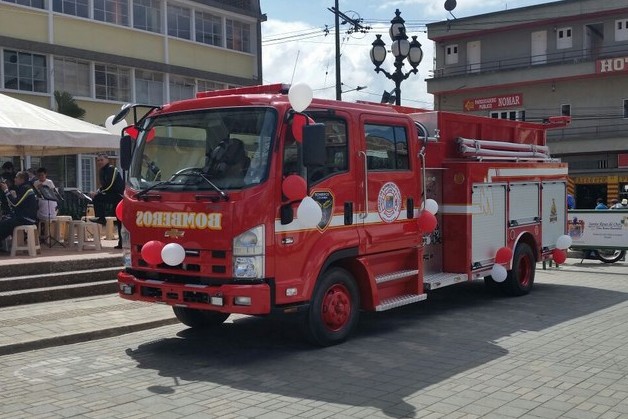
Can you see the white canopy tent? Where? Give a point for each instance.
(26, 129)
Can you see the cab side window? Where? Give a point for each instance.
(386, 147)
(335, 150)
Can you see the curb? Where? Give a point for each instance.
(83, 336)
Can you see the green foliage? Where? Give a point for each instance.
(66, 105)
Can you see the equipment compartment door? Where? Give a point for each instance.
(523, 202)
(488, 226)
(554, 212)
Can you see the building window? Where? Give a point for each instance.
(621, 30)
(386, 147)
(71, 76)
(208, 28)
(238, 36)
(25, 71)
(179, 22)
(565, 110)
(39, 4)
(208, 86)
(451, 54)
(88, 168)
(512, 115)
(71, 7)
(181, 88)
(112, 11)
(149, 87)
(112, 82)
(147, 15)
(625, 108)
(564, 38)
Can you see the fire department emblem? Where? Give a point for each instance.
(389, 202)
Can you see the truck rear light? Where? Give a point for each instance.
(242, 301)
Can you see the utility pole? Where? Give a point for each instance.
(337, 23)
(356, 26)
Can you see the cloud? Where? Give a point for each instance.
(306, 55)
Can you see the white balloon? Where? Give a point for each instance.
(300, 96)
(309, 213)
(109, 123)
(117, 128)
(173, 254)
(563, 242)
(498, 273)
(431, 206)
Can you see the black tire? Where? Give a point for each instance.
(520, 278)
(336, 290)
(199, 319)
(610, 256)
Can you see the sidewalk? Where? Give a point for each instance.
(34, 326)
(42, 325)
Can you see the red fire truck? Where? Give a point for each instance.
(258, 201)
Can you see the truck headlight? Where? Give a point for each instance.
(126, 246)
(249, 253)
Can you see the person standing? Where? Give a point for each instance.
(109, 194)
(23, 202)
(47, 207)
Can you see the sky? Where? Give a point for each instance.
(295, 47)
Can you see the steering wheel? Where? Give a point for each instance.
(187, 169)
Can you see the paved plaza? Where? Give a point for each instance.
(561, 351)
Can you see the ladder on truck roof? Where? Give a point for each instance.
(502, 150)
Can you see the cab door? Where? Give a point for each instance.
(389, 192)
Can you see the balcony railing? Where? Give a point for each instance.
(569, 56)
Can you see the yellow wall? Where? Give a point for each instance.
(187, 54)
(23, 23)
(94, 36)
(96, 112)
(43, 101)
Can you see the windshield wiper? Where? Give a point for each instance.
(222, 193)
(150, 188)
(200, 174)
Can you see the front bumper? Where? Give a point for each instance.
(252, 299)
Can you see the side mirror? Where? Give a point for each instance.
(126, 151)
(314, 153)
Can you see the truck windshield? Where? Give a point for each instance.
(230, 147)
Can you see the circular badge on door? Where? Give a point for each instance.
(389, 202)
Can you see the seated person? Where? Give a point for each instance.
(46, 188)
(228, 161)
(23, 203)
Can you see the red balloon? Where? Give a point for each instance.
(151, 252)
(119, 209)
(503, 255)
(559, 256)
(132, 132)
(427, 222)
(294, 187)
(298, 122)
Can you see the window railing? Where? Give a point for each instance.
(570, 56)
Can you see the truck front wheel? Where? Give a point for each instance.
(334, 309)
(199, 319)
(521, 277)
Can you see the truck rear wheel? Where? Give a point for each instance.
(520, 278)
(334, 309)
(199, 319)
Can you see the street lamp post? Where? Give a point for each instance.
(401, 49)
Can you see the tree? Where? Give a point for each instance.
(66, 105)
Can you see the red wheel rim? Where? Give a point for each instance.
(524, 270)
(336, 307)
